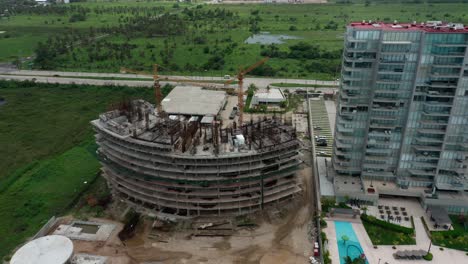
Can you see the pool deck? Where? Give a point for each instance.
(384, 254)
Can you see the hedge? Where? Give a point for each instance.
(387, 225)
(428, 231)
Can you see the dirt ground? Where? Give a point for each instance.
(282, 237)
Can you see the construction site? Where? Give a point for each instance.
(187, 161)
(193, 179)
(184, 158)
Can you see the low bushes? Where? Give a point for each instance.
(428, 257)
(386, 225)
(428, 232)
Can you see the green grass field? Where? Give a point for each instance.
(44, 189)
(312, 24)
(47, 150)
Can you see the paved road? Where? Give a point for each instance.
(68, 77)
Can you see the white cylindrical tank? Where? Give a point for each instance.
(52, 249)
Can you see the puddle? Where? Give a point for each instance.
(267, 38)
(2, 101)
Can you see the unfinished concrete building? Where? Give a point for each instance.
(178, 166)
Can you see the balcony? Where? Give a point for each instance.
(427, 164)
(341, 128)
(437, 94)
(389, 72)
(392, 62)
(340, 144)
(350, 69)
(384, 118)
(445, 65)
(427, 157)
(431, 131)
(384, 99)
(367, 166)
(388, 91)
(449, 55)
(346, 77)
(451, 45)
(352, 88)
(378, 151)
(379, 135)
(378, 173)
(423, 148)
(340, 135)
(442, 84)
(358, 59)
(388, 81)
(429, 172)
(424, 140)
(436, 113)
(357, 50)
(377, 158)
(444, 75)
(349, 38)
(455, 186)
(382, 126)
(346, 168)
(346, 95)
(345, 154)
(438, 122)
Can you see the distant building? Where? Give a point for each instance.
(42, 2)
(402, 115)
(271, 96)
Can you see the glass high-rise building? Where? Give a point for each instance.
(402, 113)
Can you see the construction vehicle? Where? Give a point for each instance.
(240, 93)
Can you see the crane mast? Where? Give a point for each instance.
(240, 95)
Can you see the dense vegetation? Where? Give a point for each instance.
(48, 150)
(198, 39)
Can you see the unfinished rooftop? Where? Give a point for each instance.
(193, 100)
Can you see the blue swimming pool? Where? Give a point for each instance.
(351, 247)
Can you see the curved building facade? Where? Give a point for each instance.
(184, 167)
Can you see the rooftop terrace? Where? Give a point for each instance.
(429, 26)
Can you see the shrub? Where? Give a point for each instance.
(428, 257)
(323, 223)
(390, 226)
(326, 258)
(324, 237)
(327, 203)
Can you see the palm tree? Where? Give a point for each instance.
(345, 238)
(364, 209)
(348, 260)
